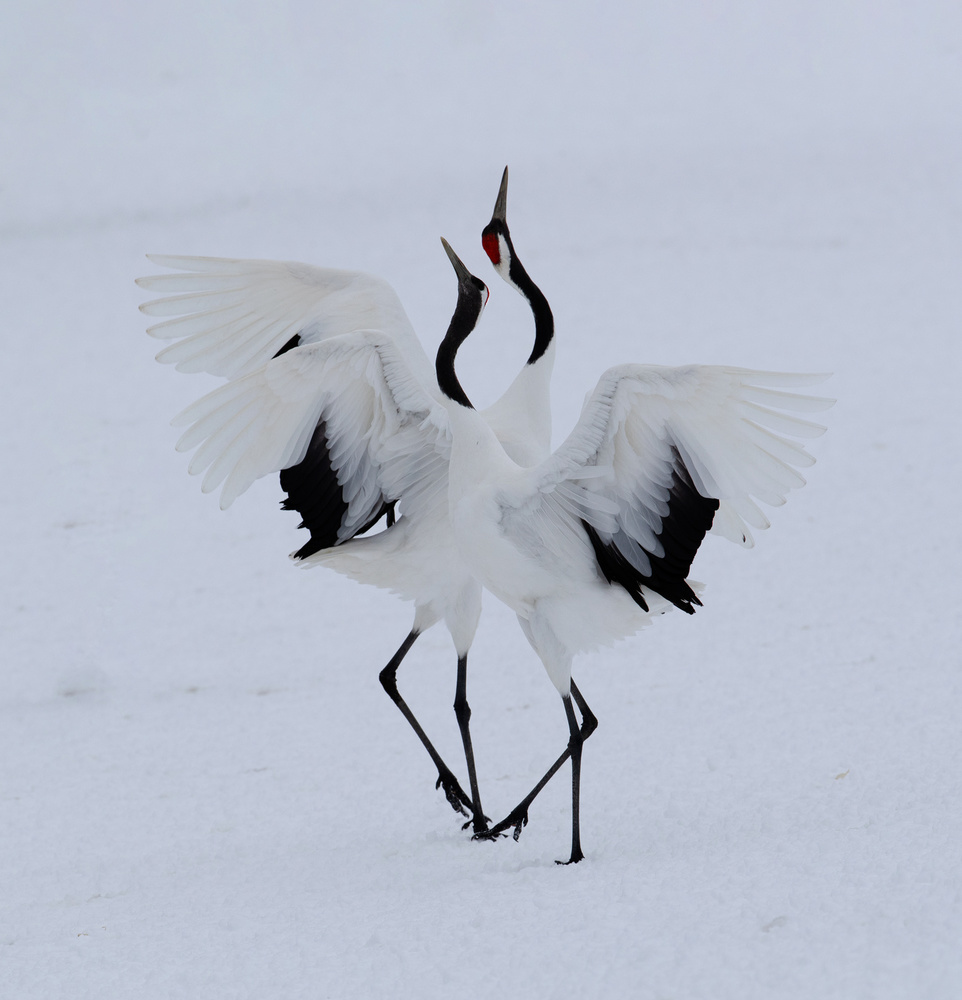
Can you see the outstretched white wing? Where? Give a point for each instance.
(660, 455)
(230, 317)
(348, 413)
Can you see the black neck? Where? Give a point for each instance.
(462, 323)
(543, 319)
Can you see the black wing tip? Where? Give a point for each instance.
(618, 569)
(324, 535)
(295, 341)
(690, 516)
(314, 492)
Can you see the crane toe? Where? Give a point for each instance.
(454, 793)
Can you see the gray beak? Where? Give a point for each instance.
(501, 205)
(459, 269)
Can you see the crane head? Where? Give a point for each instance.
(470, 288)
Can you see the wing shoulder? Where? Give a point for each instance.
(738, 433)
(660, 456)
(345, 420)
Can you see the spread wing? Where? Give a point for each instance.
(230, 317)
(660, 456)
(346, 417)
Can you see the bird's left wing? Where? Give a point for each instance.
(348, 413)
(230, 317)
(674, 453)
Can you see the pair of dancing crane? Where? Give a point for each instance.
(327, 384)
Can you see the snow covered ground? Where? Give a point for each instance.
(204, 791)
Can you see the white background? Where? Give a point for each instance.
(204, 792)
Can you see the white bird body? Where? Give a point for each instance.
(326, 361)
(386, 422)
(418, 558)
(587, 545)
(522, 529)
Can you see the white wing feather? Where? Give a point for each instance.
(732, 428)
(230, 317)
(384, 430)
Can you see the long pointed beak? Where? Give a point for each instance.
(459, 269)
(501, 205)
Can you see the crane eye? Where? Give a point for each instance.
(484, 290)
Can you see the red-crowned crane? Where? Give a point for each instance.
(329, 385)
(589, 544)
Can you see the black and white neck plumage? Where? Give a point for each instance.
(472, 298)
(496, 241)
(521, 418)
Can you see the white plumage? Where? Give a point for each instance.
(327, 380)
(642, 426)
(588, 544)
(230, 317)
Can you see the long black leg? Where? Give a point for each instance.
(453, 791)
(575, 743)
(518, 817)
(463, 712)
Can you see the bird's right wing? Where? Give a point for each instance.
(230, 317)
(660, 456)
(348, 413)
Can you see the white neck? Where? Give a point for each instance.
(521, 418)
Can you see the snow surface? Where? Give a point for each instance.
(204, 792)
